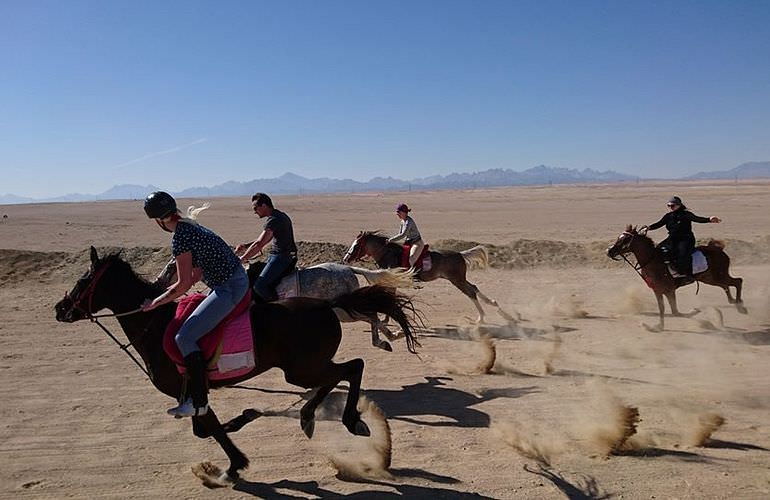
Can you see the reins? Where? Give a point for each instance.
(94, 318)
(637, 267)
(123, 347)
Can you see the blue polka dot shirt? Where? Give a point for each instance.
(209, 252)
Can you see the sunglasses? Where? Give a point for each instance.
(670, 205)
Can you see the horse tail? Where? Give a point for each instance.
(720, 244)
(386, 277)
(369, 301)
(476, 257)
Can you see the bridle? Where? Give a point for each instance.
(360, 249)
(638, 267)
(88, 295)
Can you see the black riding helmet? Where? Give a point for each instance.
(159, 204)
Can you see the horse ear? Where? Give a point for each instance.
(94, 256)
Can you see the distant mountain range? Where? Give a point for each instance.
(750, 170)
(295, 184)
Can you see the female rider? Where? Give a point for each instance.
(409, 233)
(199, 253)
(681, 240)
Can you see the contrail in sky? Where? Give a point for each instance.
(161, 153)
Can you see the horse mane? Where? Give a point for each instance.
(115, 259)
(635, 231)
(377, 233)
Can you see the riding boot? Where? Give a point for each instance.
(196, 402)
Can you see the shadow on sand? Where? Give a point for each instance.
(585, 488)
(731, 445)
(435, 398)
(653, 452)
(432, 398)
(305, 488)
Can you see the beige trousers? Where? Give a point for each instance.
(415, 251)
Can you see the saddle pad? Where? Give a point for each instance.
(699, 264)
(229, 346)
(423, 262)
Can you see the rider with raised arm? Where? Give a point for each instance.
(199, 254)
(283, 254)
(681, 240)
(409, 233)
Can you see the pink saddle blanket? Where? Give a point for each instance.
(423, 262)
(228, 348)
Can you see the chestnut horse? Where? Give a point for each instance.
(449, 265)
(298, 335)
(655, 273)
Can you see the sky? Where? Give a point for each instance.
(189, 93)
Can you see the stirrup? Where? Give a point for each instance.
(188, 409)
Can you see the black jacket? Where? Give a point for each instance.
(679, 222)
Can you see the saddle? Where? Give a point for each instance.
(228, 349)
(699, 262)
(423, 262)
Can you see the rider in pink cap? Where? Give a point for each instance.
(409, 233)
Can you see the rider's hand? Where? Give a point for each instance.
(148, 305)
(714, 219)
(240, 248)
(644, 228)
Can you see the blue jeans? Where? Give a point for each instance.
(276, 265)
(220, 302)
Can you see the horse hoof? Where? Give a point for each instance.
(385, 346)
(361, 429)
(654, 329)
(741, 308)
(308, 427)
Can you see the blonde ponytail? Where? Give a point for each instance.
(193, 212)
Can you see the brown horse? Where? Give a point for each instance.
(299, 335)
(449, 265)
(655, 273)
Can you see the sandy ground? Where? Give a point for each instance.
(79, 420)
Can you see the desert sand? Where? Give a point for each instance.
(546, 408)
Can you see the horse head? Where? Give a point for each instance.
(360, 246)
(88, 295)
(626, 242)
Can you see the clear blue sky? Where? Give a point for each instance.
(188, 93)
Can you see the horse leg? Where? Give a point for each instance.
(307, 413)
(671, 296)
(382, 325)
(209, 425)
(353, 372)
(730, 299)
(350, 371)
(374, 322)
(738, 284)
(493, 303)
(661, 312)
(471, 291)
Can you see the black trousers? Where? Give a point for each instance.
(681, 248)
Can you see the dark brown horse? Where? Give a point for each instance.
(655, 272)
(300, 336)
(449, 265)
